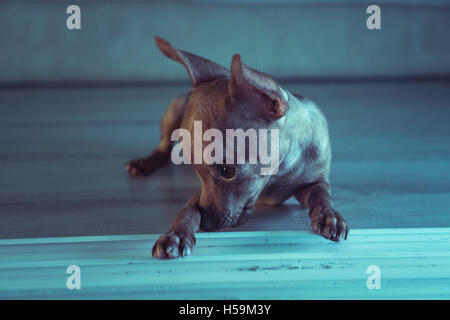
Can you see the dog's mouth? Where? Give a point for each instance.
(212, 221)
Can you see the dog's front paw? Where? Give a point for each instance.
(329, 223)
(173, 245)
(146, 166)
(139, 167)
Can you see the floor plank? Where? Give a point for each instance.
(414, 264)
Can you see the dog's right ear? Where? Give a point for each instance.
(262, 90)
(200, 69)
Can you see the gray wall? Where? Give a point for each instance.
(299, 39)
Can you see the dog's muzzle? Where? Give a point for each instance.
(212, 221)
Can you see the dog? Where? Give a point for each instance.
(242, 97)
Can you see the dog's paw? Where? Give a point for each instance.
(145, 166)
(139, 167)
(329, 224)
(173, 245)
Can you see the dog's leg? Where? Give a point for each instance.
(324, 219)
(180, 238)
(161, 155)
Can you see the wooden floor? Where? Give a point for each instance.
(63, 151)
(62, 175)
(413, 264)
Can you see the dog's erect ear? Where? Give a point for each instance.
(200, 69)
(247, 83)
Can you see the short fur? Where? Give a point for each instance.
(244, 98)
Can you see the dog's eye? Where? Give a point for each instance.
(228, 172)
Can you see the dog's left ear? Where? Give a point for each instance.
(200, 69)
(265, 93)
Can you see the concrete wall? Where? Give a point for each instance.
(299, 39)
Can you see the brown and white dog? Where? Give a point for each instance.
(244, 98)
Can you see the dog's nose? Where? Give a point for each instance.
(213, 220)
(227, 218)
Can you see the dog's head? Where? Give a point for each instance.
(237, 99)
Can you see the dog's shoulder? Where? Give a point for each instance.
(310, 131)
